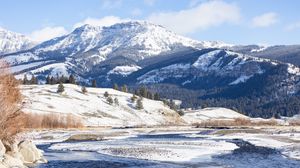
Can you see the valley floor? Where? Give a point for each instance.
(170, 147)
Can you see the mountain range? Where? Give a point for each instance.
(255, 80)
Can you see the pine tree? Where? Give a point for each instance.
(139, 104)
(60, 88)
(172, 105)
(72, 79)
(109, 100)
(124, 88)
(143, 91)
(62, 79)
(33, 80)
(150, 95)
(116, 101)
(48, 80)
(83, 90)
(116, 87)
(52, 81)
(94, 83)
(106, 94)
(136, 92)
(25, 80)
(156, 96)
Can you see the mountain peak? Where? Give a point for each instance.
(12, 42)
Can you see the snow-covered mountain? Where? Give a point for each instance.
(218, 67)
(284, 53)
(13, 42)
(140, 53)
(88, 46)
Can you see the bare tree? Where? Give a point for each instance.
(10, 105)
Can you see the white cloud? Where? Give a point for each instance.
(136, 12)
(293, 26)
(149, 2)
(265, 20)
(203, 16)
(105, 21)
(47, 33)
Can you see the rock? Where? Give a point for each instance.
(30, 153)
(2, 149)
(2, 165)
(10, 161)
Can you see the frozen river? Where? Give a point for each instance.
(184, 149)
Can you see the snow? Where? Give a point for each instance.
(260, 49)
(93, 107)
(194, 116)
(12, 42)
(159, 75)
(241, 79)
(21, 58)
(292, 69)
(124, 70)
(204, 60)
(19, 68)
(157, 149)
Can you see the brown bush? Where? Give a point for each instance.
(236, 122)
(242, 121)
(52, 121)
(10, 105)
(269, 122)
(294, 122)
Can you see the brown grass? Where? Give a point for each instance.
(52, 121)
(236, 122)
(10, 105)
(294, 122)
(269, 122)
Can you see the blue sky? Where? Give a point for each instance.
(232, 21)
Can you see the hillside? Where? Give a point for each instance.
(93, 107)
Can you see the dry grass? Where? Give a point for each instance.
(11, 120)
(52, 121)
(269, 122)
(294, 122)
(236, 122)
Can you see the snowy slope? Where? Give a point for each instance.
(237, 68)
(12, 42)
(194, 116)
(93, 107)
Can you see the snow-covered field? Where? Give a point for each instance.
(94, 109)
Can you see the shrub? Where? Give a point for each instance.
(139, 104)
(83, 90)
(180, 112)
(52, 121)
(116, 100)
(133, 98)
(106, 94)
(60, 88)
(294, 122)
(109, 100)
(10, 108)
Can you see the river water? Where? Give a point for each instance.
(113, 154)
